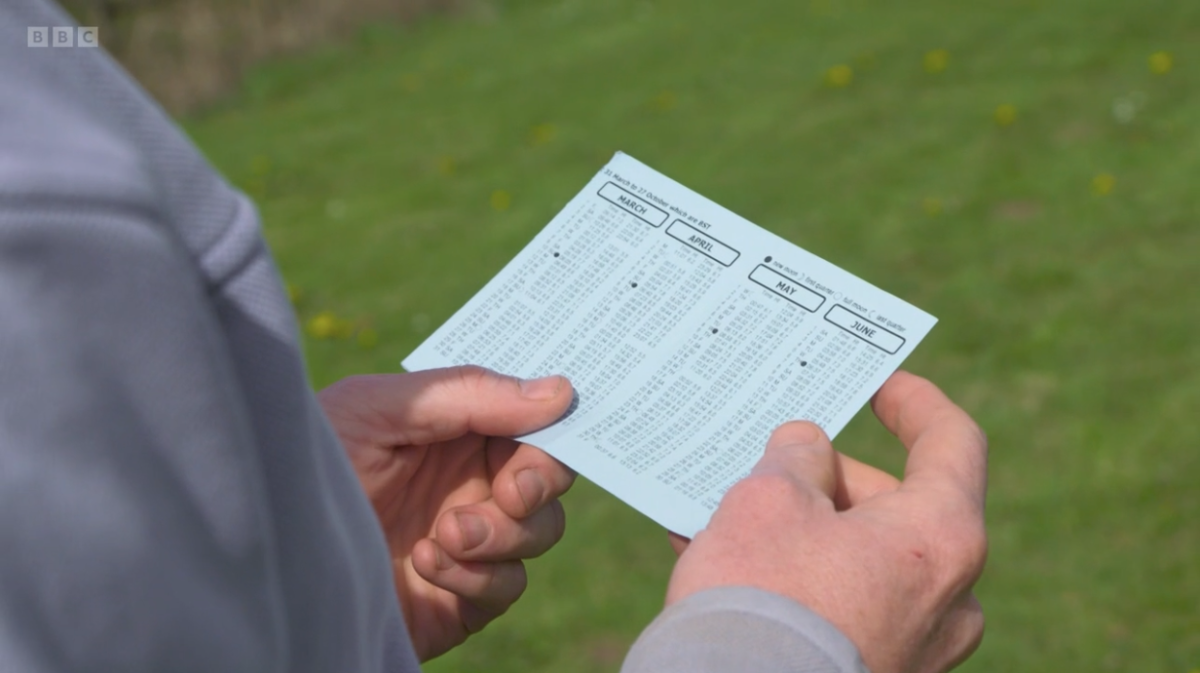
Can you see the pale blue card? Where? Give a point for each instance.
(688, 332)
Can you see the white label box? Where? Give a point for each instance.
(702, 242)
(638, 207)
(870, 332)
(787, 288)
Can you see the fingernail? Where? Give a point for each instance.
(531, 487)
(807, 433)
(442, 559)
(541, 389)
(474, 529)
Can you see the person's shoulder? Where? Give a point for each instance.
(58, 140)
(77, 133)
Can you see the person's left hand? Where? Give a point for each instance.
(460, 504)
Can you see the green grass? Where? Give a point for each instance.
(1069, 319)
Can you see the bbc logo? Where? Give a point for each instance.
(64, 36)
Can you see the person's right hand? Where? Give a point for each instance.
(890, 563)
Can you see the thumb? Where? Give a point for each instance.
(442, 404)
(802, 451)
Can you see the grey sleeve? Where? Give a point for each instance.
(131, 510)
(745, 630)
(171, 496)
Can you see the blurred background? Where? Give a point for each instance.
(1025, 170)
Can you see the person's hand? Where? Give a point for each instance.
(890, 563)
(460, 504)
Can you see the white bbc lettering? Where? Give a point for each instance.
(38, 36)
(87, 36)
(62, 36)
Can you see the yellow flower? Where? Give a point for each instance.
(936, 61)
(322, 325)
(932, 206)
(1103, 184)
(367, 338)
(326, 325)
(1006, 114)
(501, 200)
(542, 134)
(1161, 62)
(446, 166)
(839, 76)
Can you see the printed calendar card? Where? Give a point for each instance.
(689, 334)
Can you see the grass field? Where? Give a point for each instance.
(1025, 170)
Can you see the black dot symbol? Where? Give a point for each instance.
(714, 330)
(804, 363)
(768, 259)
(633, 285)
(556, 254)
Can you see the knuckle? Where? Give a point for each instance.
(973, 625)
(473, 376)
(503, 584)
(976, 545)
(740, 496)
(962, 546)
(977, 431)
(509, 582)
(969, 550)
(981, 436)
(974, 434)
(818, 462)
